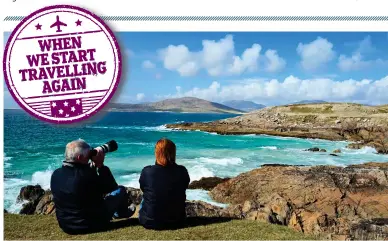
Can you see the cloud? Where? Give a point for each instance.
(365, 46)
(274, 62)
(217, 58)
(354, 62)
(140, 96)
(291, 89)
(357, 60)
(148, 64)
(316, 53)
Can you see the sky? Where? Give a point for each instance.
(269, 68)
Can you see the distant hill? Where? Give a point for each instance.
(185, 104)
(244, 105)
(310, 102)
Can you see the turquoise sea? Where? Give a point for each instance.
(34, 149)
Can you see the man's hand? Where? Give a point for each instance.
(98, 159)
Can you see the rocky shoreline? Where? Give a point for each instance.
(332, 202)
(362, 125)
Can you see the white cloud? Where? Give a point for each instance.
(354, 62)
(217, 58)
(140, 96)
(293, 89)
(366, 46)
(275, 62)
(357, 60)
(148, 64)
(316, 53)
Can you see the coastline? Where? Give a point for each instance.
(362, 125)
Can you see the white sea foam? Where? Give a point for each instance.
(364, 150)
(11, 190)
(42, 178)
(7, 158)
(7, 165)
(131, 180)
(331, 161)
(269, 147)
(198, 171)
(221, 161)
(156, 128)
(249, 135)
(202, 195)
(16, 206)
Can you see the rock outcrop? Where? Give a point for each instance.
(207, 183)
(44, 205)
(31, 194)
(316, 200)
(364, 125)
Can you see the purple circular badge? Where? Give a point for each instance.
(62, 64)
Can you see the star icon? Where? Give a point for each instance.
(65, 103)
(54, 104)
(73, 108)
(78, 102)
(67, 115)
(78, 22)
(61, 111)
(38, 26)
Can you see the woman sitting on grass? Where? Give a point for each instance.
(164, 190)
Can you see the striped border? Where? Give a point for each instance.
(231, 18)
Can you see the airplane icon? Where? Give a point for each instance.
(58, 24)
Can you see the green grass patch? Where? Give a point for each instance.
(302, 109)
(45, 227)
(383, 110)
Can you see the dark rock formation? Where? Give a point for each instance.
(135, 195)
(32, 194)
(375, 229)
(207, 183)
(313, 149)
(203, 209)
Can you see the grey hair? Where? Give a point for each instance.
(76, 148)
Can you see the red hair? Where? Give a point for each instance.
(165, 152)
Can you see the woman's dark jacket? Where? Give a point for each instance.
(164, 196)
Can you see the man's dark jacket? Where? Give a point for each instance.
(164, 196)
(78, 191)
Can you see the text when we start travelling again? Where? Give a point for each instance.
(63, 65)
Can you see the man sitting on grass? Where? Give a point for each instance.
(86, 195)
(164, 190)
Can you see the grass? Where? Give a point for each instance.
(45, 227)
(300, 109)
